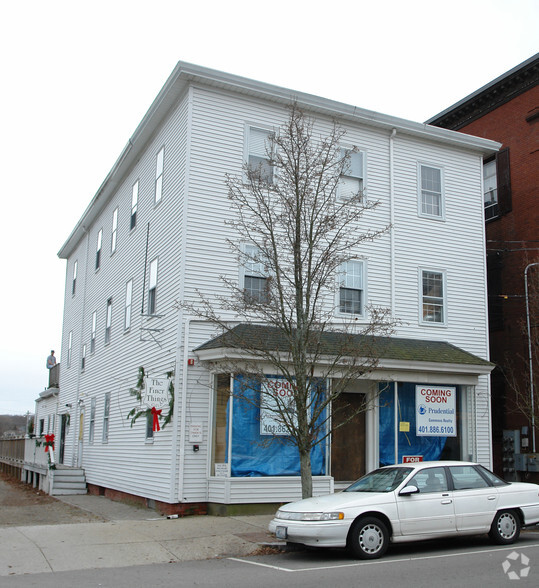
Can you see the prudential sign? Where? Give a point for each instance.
(436, 414)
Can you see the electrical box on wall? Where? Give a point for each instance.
(511, 447)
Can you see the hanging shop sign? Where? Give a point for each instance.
(436, 413)
(277, 398)
(155, 393)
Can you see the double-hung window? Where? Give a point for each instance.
(108, 323)
(159, 166)
(128, 304)
(134, 206)
(114, 236)
(74, 282)
(431, 191)
(352, 178)
(91, 429)
(490, 189)
(99, 244)
(433, 297)
(106, 415)
(258, 154)
(152, 289)
(69, 348)
(351, 288)
(254, 279)
(83, 360)
(94, 329)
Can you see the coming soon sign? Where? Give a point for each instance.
(436, 411)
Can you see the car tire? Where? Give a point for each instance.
(369, 538)
(505, 527)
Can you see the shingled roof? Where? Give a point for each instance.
(259, 337)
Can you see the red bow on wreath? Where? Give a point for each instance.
(156, 414)
(49, 442)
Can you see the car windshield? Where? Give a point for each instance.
(382, 480)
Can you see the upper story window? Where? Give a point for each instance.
(106, 415)
(258, 148)
(114, 235)
(74, 282)
(431, 191)
(108, 322)
(94, 329)
(159, 166)
(69, 348)
(98, 247)
(134, 206)
(83, 360)
(490, 189)
(152, 288)
(352, 179)
(433, 297)
(91, 429)
(254, 276)
(128, 304)
(351, 290)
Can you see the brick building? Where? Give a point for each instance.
(507, 110)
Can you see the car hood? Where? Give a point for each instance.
(341, 500)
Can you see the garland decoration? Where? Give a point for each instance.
(138, 411)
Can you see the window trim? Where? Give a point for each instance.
(128, 304)
(108, 321)
(159, 172)
(248, 127)
(420, 212)
(74, 282)
(83, 358)
(69, 348)
(152, 289)
(352, 149)
(134, 205)
(243, 272)
(340, 276)
(93, 332)
(423, 322)
(106, 418)
(114, 232)
(98, 248)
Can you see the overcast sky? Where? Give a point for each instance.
(77, 77)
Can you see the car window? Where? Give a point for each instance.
(382, 480)
(467, 477)
(492, 478)
(430, 480)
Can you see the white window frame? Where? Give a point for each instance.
(74, 283)
(91, 426)
(69, 348)
(159, 169)
(128, 305)
(99, 246)
(106, 418)
(250, 150)
(345, 280)
(442, 273)
(342, 193)
(114, 234)
(108, 321)
(250, 268)
(93, 332)
(490, 187)
(421, 203)
(83, 359)
(134, 206)
(152, 286)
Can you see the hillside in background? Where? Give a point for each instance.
(12, 422)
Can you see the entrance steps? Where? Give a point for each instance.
(67, 480)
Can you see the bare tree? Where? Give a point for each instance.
(296, 223)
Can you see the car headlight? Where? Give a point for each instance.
(309, 516)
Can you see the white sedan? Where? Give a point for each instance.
(411, 502)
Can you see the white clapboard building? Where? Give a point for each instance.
(154, 234)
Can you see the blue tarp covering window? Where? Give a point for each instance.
(261, 455)
(409, 443)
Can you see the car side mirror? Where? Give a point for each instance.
(407, 490)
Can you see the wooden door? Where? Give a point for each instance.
(348, 441)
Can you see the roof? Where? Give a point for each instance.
(259, 337)
(186, 74)
(504, 88)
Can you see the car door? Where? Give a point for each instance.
(429, 511)
(475, 500)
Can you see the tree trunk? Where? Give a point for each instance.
(306, 474)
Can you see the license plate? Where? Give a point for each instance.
(281, 532)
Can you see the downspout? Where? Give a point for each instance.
(184, 407)
(392, 223)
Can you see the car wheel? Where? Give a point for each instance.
(505, 527)
(369, 538)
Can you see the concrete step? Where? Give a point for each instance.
(66, 492)
(62, 478)
(63, 484)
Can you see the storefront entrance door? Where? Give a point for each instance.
(348, 441)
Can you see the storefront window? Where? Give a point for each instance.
(425, 422)
(220, 428)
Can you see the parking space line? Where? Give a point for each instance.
(513, 547)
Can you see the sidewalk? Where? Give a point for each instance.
(123, 535)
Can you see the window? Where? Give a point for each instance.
(114, 231)
(83, 360)
(430, 480)
(152, 289)
(149, 426)
(74, 283)
(91, 430)
(221, 409)
(467, 477)
(134, 205)
(41, 427)
(98, 249)
(431, 203)
(106, 414)
(108, 322)
(351, 290)
(255, 286)
(69, 348)
(128, 302)
(94, 327)
(258, 160)
(159, 175)
(432, 292)
(352, 179)
(490, 189)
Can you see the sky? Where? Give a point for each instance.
(77, 78)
